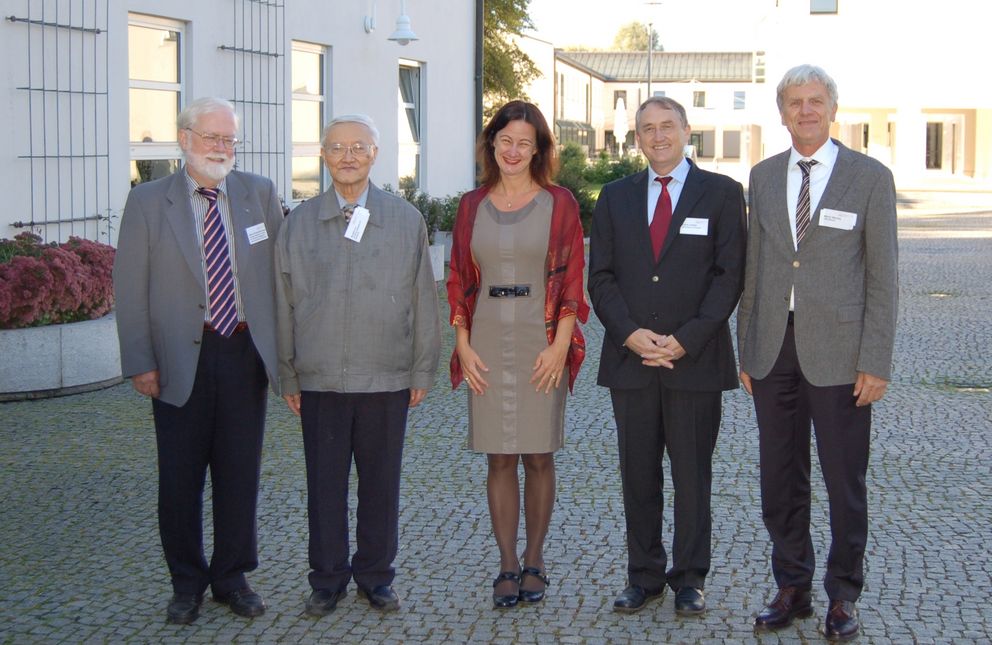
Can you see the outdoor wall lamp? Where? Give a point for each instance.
(402, 35)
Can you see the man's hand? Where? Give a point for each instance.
(293, 401)
(746, 382)
(649, 346)
(869, 389)
(416, 396)
(146, 383)
(670, 350)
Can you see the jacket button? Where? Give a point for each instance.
(654, 278)
(795, 264)
(196, 342)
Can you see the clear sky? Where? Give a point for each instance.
(682, 25)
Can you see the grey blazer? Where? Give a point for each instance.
(159, 281)
(846, 285)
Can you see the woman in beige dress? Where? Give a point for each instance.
(515, 291)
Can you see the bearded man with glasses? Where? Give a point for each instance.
(358, 344)
(193, 278)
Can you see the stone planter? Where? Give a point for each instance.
(56, 360)
(437, 261)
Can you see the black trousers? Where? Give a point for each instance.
(220, 428)
(786, 404)
(649, 420)
(369, 428)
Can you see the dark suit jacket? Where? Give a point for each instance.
(159, 281)
(846, 281)
(690, 292)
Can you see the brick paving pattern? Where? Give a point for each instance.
(80, 559)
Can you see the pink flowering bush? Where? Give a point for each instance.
(44, 284)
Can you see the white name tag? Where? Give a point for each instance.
(257, 233)
(695, 226)
(357, 224)
(838, 219)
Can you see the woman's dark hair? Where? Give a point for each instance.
(544, 163)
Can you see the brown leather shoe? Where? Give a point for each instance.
(789, 603)
(842, 621)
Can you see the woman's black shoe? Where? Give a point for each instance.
(532, 596)
(506, 601)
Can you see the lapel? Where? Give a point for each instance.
(778, 206)
(179, 215)
(376, 204)
(692, 192)
(637, 208)
(243, 214)
(842, 177)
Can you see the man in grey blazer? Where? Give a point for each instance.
(815, 329)
(194, 283)
(358, 341)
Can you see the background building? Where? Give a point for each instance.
(91, 89)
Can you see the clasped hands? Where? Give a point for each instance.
(655, 350)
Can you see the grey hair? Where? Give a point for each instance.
(352, 118)
(191, 114)
(802, 74)
(664, 103)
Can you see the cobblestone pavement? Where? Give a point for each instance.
(80, 559)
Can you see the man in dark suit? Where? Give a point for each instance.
(815, 330)
(665, 273)
(194, 283)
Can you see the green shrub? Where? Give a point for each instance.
(571, 175)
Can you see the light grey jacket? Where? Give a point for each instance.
(846, 285)
(356, 316)
(159, 281)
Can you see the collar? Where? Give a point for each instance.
(679, 173)
(191, 184)
(342, 202)
(825, 156)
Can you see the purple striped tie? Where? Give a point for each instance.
(220, 277)
(802, 206)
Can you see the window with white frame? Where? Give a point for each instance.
(699, 99)
(155, 94)
(739, 99)
(307, 121)
(409, 122)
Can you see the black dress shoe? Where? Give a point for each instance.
(634, 598)
(382, 597)
(689, 601)
(183, 609)
(243, 602)
(842, 621)
(789, 603)
(324, 601)
(506, 601)
(532, 596)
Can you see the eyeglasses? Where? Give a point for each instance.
(229, 143)
(357, 150)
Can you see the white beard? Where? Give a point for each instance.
(203, 165)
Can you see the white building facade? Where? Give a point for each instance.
(91, 89)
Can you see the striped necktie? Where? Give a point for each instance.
(220, 276)
(802, 206)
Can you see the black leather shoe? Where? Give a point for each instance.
(842, 621)
(243, 602)
(634, 598)
(382, 597)
(324, 601)
(506, 601)
(689, 601)
(183, 609)
(789, 603)
(532, 596)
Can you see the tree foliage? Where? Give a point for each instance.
(633, 37)
(506, 69)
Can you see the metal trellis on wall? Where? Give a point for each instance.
(68, 118)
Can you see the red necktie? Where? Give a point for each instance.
(662, 217)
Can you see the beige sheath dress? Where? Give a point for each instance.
(508, 333)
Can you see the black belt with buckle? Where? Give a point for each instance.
(509, 291)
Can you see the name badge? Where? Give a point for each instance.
(356, 226)
(843, 220)
(695, 226)
(257, 233)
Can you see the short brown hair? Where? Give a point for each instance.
(664, 103)
(543, 165)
